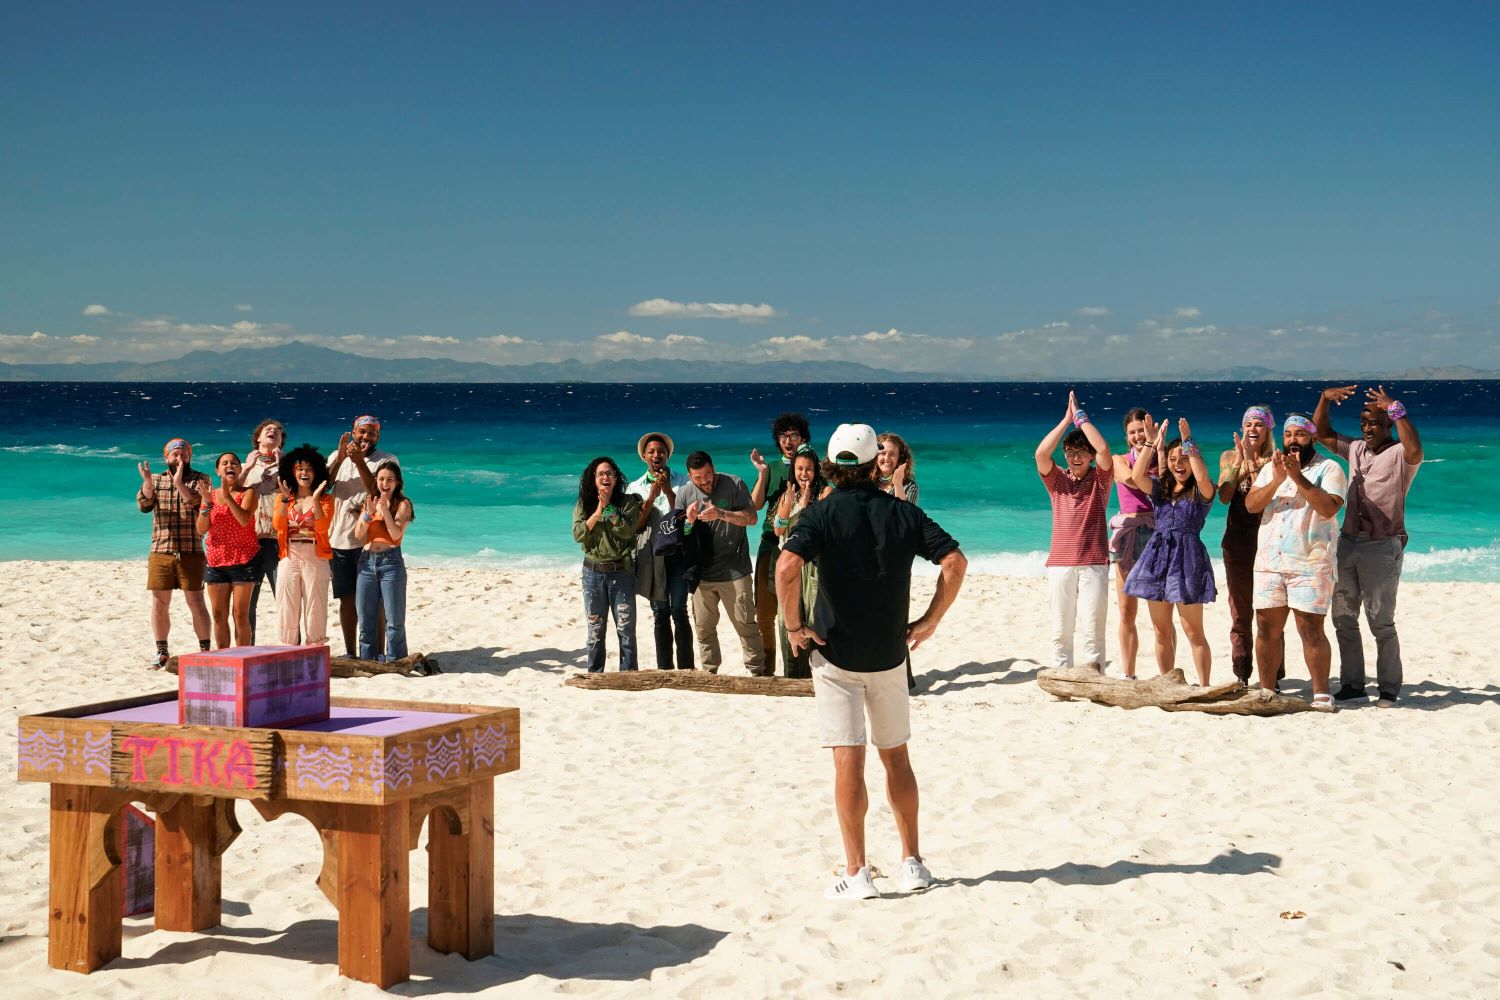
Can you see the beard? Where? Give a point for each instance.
(1304, 457)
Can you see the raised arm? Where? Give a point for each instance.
(1234, 465)
(1103, 457)
(1141, 474)
(1411, 442)
(145, 497)
(762, 476)
(1048, 447)
(1327, 436)
(1195, 460)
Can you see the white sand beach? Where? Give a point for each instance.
(678, 844)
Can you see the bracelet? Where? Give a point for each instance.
(1080, 418)
(1190, 448)
(1396, 411)
(781, 522)
(204, 510)
(790, 630)
(368, 518)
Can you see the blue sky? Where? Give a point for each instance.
(996, 189)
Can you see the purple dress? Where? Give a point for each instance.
(1174, 565)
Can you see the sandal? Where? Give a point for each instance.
(160, 663)
(1323, 703)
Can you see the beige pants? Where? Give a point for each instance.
(738, 596)
(302, 595)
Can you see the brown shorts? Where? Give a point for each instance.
(166, 571)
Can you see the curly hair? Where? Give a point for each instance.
(844, 476)
(304, 452)
(588, 493)
(903, 454)
(790, 422)
(268, 422)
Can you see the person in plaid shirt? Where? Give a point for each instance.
(176, 559)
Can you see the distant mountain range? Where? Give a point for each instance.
(301, 362)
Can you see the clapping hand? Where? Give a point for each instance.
(757, 461)
(1160, 440)
(1072, 405)
(1183, 429)
(144, 468)
(205, 491)
(1281, 464)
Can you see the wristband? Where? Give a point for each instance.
(1080, 418)
(781, 522)
(1396, 411)
(1190, 448)
(790, 630)
(367, 518)
(204, 510)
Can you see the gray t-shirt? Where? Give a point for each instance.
(731, 547)
(1378, 482)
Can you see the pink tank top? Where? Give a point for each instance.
(1132, 500)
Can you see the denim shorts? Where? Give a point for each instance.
(243, 573)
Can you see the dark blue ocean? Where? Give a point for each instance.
(493, 469)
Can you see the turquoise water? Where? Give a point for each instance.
(493, 469)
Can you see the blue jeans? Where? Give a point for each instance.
(613, 593)
(381, 581)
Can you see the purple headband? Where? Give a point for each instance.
(1300, 422)
(1263, 413)
(366, 420)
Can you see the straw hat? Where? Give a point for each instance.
(640, 446)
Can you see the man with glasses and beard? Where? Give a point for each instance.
(1298, 495)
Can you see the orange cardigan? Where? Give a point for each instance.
(320, 528)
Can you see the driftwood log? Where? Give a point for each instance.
(353, 666)
(1167, 691)
(691, 680)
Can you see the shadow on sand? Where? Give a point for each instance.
(525, 945)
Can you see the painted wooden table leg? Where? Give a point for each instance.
(374, 906)
(461, 877)
(190, 838)
(85, 894)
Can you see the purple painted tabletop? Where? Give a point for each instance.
(353, 721)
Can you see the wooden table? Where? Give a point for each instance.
(366, 779)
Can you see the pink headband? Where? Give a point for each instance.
(1261, 413)
(367, 421)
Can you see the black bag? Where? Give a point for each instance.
(666, 531)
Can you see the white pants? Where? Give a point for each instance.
(302, 595)
(1078, 592)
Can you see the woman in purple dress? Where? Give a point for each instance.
(1173, 570)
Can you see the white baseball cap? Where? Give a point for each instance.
(854, 439)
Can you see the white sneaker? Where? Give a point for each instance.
(914, 876)
(856, 886)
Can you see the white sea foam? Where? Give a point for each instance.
(73, 450)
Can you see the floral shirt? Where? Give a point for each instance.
(1293, 537)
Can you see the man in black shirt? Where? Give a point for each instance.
(864, 541)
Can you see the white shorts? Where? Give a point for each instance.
(843, 696)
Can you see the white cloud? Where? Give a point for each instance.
(500, 340)
(425, 338)
(676, 339)
(1188, 312)
(891, 336)
(243, 308)
(1094, 311)
(668, 309)
(625, 337)
(96, 310)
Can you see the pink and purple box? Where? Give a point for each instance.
(258, 686)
